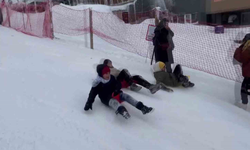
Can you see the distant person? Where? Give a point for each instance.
(163, 44)
(242, 55)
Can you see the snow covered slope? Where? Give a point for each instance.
(45, 84)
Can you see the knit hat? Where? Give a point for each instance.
(102, 69)
(161, 65)
(105, 70)
(158, 66)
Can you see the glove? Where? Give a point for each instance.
(88, 106)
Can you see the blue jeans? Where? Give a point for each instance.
(113, 103)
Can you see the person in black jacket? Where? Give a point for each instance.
(163, 44)
(110, 94)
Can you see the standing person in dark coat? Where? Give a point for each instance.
(242, 54)
(163, 44)
(110, 94)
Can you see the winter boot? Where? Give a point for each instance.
(144, 109)
(185, 81)
(154, 88)
(188, 84)
(135, 88)
(123, 111)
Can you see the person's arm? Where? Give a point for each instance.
(92, 94)
(238, 54)
(170, 32)
(245, 56)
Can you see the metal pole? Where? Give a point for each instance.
(91, 29)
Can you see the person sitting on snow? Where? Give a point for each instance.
(242, 55)
(130, 81)
(109, 91)
(174, 79)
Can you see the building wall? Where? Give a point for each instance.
(219, 6)
(219, 12)
(191, 7)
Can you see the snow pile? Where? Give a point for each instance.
(45, 84)
(97, 7)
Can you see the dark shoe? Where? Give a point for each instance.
(183, 79)
(154, 88)
(188, 84)
(123, 111)
(146, 110)
(135, 88)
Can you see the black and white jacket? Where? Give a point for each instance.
(104, 89)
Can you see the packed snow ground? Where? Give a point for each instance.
(45, 84)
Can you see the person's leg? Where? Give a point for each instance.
(244, 91)
(129, 99)
(113, 103)
(116, 105)
(178, 71)
(156, 53)
(168, 67)
(125, 76)
(137, 104)
(141, 81)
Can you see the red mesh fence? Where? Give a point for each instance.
(28, 19)
(196, 46)
(126, 36)
(69, 21)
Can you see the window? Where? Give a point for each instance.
(245, 18)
